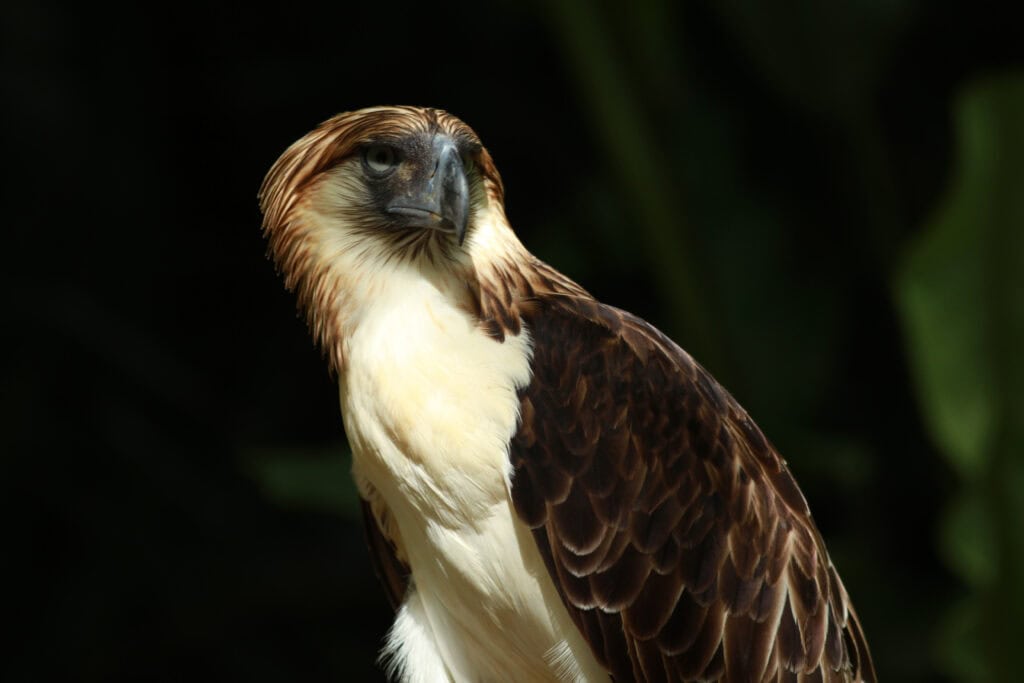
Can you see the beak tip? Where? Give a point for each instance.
(439, 201)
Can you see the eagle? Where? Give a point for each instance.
(552, 489)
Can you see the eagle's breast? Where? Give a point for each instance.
(432, 401)
(430, 404)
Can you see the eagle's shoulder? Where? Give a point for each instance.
(672, 528)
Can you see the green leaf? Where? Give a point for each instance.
(945, 289)
(960, 293)
(967, 541)
(959, 647)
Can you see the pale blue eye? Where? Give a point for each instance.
(380, 159)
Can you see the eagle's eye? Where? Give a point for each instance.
(380, 160)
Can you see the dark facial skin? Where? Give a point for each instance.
(419, 181)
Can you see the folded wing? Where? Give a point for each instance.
(673, 530)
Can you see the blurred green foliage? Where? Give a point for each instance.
(961, 295)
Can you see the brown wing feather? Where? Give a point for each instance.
(392, 572)
(677, 537)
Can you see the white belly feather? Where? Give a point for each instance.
(430, 404)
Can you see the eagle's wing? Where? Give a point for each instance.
(674, 532)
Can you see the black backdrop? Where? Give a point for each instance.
(173, 454)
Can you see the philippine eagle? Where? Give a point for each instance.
(553, 490)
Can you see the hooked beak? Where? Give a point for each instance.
(439, 199)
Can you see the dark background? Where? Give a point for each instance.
(822, 202)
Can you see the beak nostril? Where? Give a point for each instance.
(437, 199)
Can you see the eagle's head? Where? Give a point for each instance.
(373, 190)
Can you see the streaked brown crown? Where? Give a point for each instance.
(341, 136)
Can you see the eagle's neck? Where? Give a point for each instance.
(429, 368)
(349, 273)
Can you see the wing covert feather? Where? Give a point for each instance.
(679, 541)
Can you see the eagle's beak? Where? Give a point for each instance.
(439, 198)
